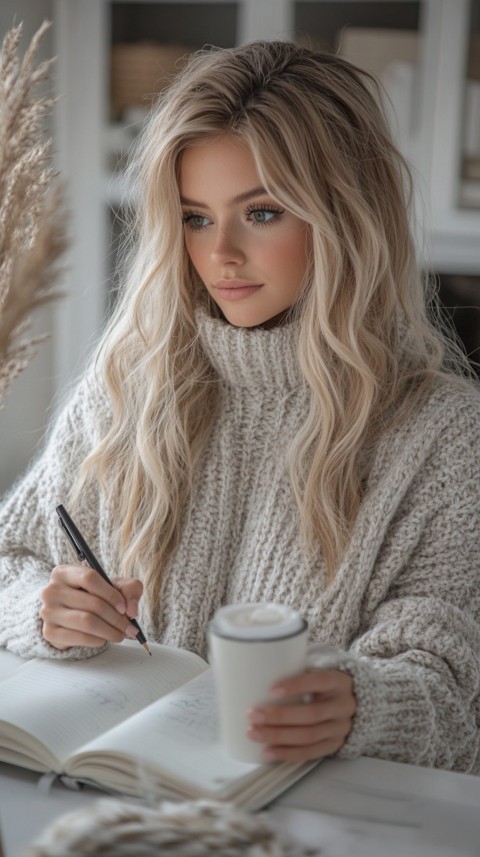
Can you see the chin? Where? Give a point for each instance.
(239, 320)
(250, 316)
(251, 320)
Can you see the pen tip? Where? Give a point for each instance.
(145, 646)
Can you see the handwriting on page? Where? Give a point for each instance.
(77, 700)
(105, 694)
(178, 735)
(192, 711)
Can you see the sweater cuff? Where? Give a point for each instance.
(21, 631)
(395, 716)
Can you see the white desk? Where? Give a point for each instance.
(368, 807)
(374, 808)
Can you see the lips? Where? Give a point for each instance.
(235, 290)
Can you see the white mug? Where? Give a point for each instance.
(252, 646)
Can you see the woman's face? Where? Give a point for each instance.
(249, 252)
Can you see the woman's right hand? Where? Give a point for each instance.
(79, 608)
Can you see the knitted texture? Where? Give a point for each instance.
(112, 828)
(405, 603)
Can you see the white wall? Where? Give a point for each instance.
(23, 417)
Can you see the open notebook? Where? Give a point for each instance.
(131, 724)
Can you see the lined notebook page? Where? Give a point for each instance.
(67, 703)
(179, 733)
(10, 664)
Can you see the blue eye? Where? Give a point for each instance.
(196, 222)
(261, 215)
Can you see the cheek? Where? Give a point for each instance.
(289, 256)
(194, 250)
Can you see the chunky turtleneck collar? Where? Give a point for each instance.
(253, 358)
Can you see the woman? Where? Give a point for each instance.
(271, 416)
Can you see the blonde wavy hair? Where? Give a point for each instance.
(366, 347)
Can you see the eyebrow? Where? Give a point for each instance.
(242, 197)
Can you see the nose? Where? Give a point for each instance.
(228, 248)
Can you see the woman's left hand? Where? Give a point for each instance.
(298, 731)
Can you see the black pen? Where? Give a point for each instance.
(84, 554)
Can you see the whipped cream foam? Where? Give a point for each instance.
(264, 621)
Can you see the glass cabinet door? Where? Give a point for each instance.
(148, 41)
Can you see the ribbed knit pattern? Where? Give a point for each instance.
(403, 612)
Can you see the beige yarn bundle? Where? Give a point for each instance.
(113, 828)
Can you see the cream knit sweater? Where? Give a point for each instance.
(403, 612)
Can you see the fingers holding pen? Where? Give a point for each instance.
(123, 595)
(80, 608)
(131, 591)
(77, 580)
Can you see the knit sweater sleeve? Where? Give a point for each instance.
(416, 663)
(31, 542)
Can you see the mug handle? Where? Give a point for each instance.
(321, 656)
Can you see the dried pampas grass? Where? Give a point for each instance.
(201, 828)
(32, 218)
